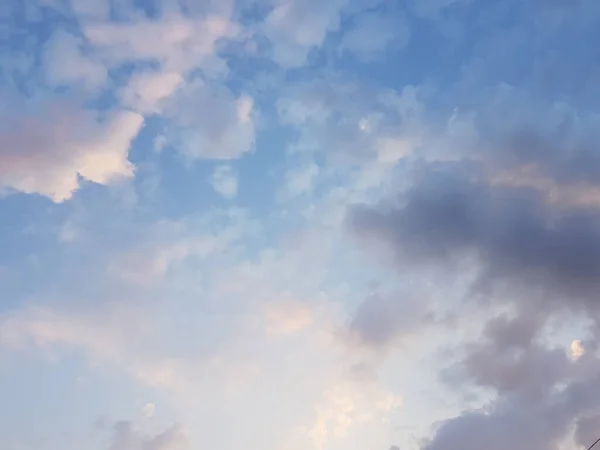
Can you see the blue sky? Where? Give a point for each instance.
(299, 224)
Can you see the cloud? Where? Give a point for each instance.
(538, 392)
(352, 123)
(517, 131)
(296, 27)
(149, 410)
(373, 33)
(224, 182)
(101, 335)
(380, 320)
(504, 198)
(178, 44)
(287, 317)
(577, 349)
(519, 229)
(449, 217)
(495, 212)
(145, 92)
(47, 153)
(66, 65)
(91, 9)
(301, 180)
(106, 337)
(349, 403)
(125, 437)
(208, 122)
(147, 262)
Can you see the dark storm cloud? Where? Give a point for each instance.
(513, 235)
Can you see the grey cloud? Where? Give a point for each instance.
(540, 260)
(516, 129)
(529, 410)
(125, 437)
(380, 320)
(533, 428)
(533, 116)
(447, 217)
(510, 361)
(450, 214)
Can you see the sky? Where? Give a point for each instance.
(299, 224)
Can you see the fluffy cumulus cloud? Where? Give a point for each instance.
(290, 224)
(49, 151)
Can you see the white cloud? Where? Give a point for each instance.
(287, 316)
(391, 149)
(146, 91)
(295, 27)
(66, 64)
(159, 143)
(346, 404)
(364, 130)
(224, 181)
(577, 350)
(149, 410)
(46, 154)
(210, 122)
(178, 44)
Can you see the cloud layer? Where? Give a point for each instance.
(292, 224)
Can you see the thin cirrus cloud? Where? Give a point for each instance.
(286, 224)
